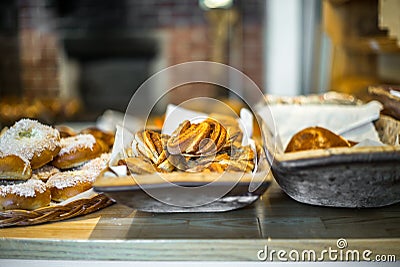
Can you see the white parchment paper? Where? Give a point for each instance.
(352, 122)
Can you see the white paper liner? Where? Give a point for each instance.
(84, 195)
(351, 122)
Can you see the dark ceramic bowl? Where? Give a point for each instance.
(343, 177)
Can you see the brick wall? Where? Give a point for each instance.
(184, 23)
(9, 50)
(38, 44)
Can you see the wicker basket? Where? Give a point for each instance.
(54, 213)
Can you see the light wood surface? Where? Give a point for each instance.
(121, 233)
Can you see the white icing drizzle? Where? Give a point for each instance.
(26, 189)
(73, 143)
(27, 138)
(70, 178)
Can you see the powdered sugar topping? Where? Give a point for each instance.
(27, 138)
(70, 178)
(98, 164)
(26, 189)
(74, 143)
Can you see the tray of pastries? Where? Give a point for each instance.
(46, 174)
(200, 166)
(348, 158)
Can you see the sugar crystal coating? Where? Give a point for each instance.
(98, 164)
(74, 143)
(26, 189)
(70, 178)
(27, 138)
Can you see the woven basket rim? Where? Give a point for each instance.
(78, 207)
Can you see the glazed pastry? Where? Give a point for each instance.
(152, 145)
(32, 141)
(207, 137)
(65, 131)
(139, 165)
(315, 138)
(76, 150)
(106, 137)
(64, 185)
(13, 167)
(28, 195)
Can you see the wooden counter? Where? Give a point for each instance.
(121, 233)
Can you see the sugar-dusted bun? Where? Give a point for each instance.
(45, 172)
(28, 195)
(65, 131)
(67, 184)
(106, 137)
(31, 140)
(76, 150)
(315, 138)
(45, 157)
(13, 167)
(98, 164)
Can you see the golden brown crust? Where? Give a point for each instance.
(64, 185)
(45, 157)
(315, 138)
(31, 140)
(12, 201)
(77, 157)
(106, 137)
(62, 194)
(205, 146)
(151, 145)
(65, 131)
(139, 165)
(207, 137)
(13, 197)
(3, 131)
(13, 167)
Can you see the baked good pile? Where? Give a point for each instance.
(40, 164)
(213, 145)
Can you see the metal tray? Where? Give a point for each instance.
(186, 192)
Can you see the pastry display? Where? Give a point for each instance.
(316, 138)
(37, 166)
(206, 146)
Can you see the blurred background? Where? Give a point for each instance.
(65, 60)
